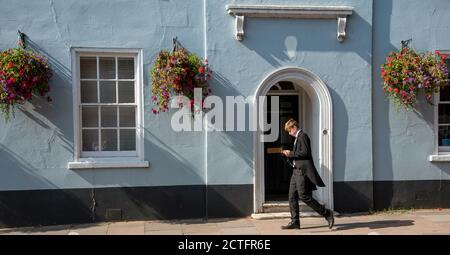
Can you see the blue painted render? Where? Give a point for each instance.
(371, 140)
(37, 144)
(345, 68)
(404, 140)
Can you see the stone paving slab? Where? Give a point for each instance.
(200, 228)
(127, 228)
(162, 226)
(51, 230)
(240, 231)
(235, 223)
(437, 218)
(89, 229)
(164, 232)
(430, 222)
(16, 231)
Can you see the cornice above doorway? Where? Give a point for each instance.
(240, 11)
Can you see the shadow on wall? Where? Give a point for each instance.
(239, 141)
(55, 206)
(52, 205)
(48, 206)
(388, 192)
(298, 37)
(382, 153)
(292, 44)
(60, 111)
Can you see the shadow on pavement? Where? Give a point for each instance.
(375, 224)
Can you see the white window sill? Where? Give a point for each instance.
(439, 158)
(107, 163)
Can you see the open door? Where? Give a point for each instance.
(277, 170)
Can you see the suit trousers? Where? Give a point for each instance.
(300, 189)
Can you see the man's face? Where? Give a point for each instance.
(292, 131)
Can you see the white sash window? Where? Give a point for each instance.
(107, 107)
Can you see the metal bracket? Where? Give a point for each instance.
(21, 39)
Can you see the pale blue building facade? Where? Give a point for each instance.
(371, 156)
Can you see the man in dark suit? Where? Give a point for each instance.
(304, 177)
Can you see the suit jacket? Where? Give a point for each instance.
(302, 156)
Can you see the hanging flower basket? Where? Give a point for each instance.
(178, 73)
(408, 75)
(23, 73)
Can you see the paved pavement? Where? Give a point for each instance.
(416, 222)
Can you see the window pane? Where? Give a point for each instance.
(445, 94)
(109, 116)
(126, 68)
(444, 136)
(128, 140)
(107, 92)
(126, 92)
(89, 116)
(109, 140)
(89, 92)
(444, 113)
(127, 116)
(107, 68)
(88, 68)
(90, 140)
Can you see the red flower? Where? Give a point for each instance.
(396, 90)
(201, 70)
(437, 52)
(11, 80)
(10, 65)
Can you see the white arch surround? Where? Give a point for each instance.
(315, 87)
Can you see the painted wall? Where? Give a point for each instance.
(345, 68)
(36, 145)
(31, 161)
(404, 140)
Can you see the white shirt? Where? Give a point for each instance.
(295, 141)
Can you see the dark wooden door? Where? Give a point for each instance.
(277, 171)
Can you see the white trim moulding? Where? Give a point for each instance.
(439, 158)
(105, 163)
(240, 11)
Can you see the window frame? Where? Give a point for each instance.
(439, 150)
(114, 158)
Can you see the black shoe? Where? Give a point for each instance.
(292, 225)
(330, 218)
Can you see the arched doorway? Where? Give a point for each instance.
(320, 102)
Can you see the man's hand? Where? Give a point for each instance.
(286, 152)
